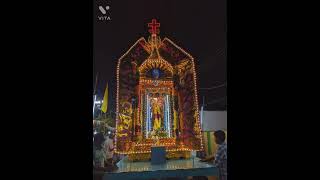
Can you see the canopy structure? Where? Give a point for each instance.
(157, 101)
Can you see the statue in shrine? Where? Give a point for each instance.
(156, 113)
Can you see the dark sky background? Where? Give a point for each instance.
(199, 27)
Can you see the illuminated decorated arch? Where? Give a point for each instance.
(157, 102)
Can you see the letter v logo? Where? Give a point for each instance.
(103, 11)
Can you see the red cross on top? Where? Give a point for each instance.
(154, 27)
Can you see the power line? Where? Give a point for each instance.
(215, 87)
(216, 100)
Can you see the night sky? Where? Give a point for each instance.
(199, 27)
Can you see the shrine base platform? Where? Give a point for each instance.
(182, 168)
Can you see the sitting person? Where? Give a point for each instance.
(220, 158)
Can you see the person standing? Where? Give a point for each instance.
(109, 148)
(99, 154)
(220, 158)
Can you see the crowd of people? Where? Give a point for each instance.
(104, 158)
(103, 152)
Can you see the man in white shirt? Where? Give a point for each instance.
(109, 148)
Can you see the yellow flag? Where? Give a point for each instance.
(104, 106)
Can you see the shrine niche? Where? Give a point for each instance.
(157, 101)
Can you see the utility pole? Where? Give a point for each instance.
(201, 118)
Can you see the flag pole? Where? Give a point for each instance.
(94, 93)
(95, 86)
